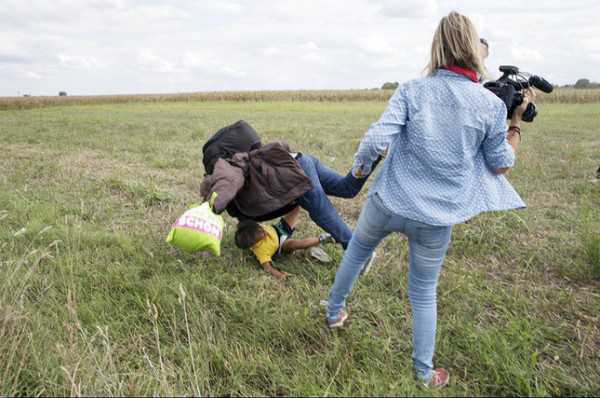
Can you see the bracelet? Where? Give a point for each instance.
(515, 129)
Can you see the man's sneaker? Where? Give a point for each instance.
(368, 264)
(440, 379)
(339, 322)
(325, 238)
(319, 254)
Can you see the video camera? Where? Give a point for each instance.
(509, 89)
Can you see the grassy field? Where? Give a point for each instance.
(94, 302)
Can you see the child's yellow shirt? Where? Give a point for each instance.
(265, 249)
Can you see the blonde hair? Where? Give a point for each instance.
(456, 42)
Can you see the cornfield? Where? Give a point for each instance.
(562, 95)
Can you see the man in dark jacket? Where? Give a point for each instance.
(264, 180)
(257, 182)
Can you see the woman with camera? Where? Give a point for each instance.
(447, 150)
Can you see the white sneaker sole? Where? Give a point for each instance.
(339, 323)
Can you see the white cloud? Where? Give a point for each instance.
(77, 61)
(230, 7)
(232, 72)
(108, 4)
(271, 51)
(525, 54)
(409, 8)
(150, 62)
(125, 46)
(310, 46)
(32, 75)
(376, 45)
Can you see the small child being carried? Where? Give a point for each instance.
(266, 241)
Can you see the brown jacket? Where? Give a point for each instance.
(258, 182)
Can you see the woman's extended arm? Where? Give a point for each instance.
(380, 134)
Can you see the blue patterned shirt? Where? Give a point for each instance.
(445, 136)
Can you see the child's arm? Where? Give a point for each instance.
(268, 266)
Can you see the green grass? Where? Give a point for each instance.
(94, 302)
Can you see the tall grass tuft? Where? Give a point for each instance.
(591, 244)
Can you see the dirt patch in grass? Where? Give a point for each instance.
(135, 175)
(89, 163)
(20, 152)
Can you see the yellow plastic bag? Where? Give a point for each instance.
(198, 229)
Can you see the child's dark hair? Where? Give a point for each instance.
(247, 234)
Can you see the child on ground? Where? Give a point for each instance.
(267, 241)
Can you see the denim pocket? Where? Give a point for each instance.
(433, 237)
(378, 203)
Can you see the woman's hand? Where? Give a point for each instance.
(514, 131)
(359, 173)
(528, 97)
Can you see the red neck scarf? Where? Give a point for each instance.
(470, 73)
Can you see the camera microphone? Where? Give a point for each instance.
(541, 83)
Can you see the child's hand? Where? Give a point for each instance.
(280, 275)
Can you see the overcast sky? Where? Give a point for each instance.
(91, 47)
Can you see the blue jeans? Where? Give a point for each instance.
(427, 248)
(326, 182)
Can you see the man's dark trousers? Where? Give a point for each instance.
(326, 182)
